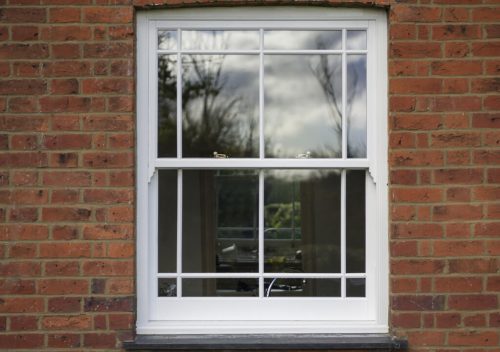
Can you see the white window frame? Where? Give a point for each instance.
(193, 315)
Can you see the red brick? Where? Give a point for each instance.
(64, 14)
(456, 49)
(108, 160)
(121, 321)
(487, 229)
(473, 338)
(456, 68)
(486, 49)
(64, 86)
(405, 13)
(486, 265)
(107, 86)
(416, 195)
(22, 250)
(66, 51)
(456, 32)
(64, 304)
(63, 287)
(447, 320)
(64, 250)
(415, 85)
(21, 305)
(23, 87)
(64, 178)
(414, 266)
(21, 341)
(486, 157)
(453, 103)
(417, 122)
(457, 212)
(458, 284)
(118, 286)
(108, 268)
(22, 323)
(458, 176)
(458, 248)
(62, 268)
(426, 338)
(485, 85)
(25, 33)
(417, 303)
(94, 340)
(486, 14)
(416, 158)
(64, 340)
(67, 33)
(108, 50)
(477, 320)
(77, 322)
(108, 232)
(108, 15)
(16, 286)
(23, 51)
(22, 15)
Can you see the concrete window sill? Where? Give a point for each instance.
(383, 342)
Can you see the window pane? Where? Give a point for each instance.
(220, 287)
(303, 95)
(356, 106)
(355, 221)
(302, 221)
(220, 40)
(303, 40)
(279, 287)
(220, 221)
(167, 105)
(355, 287)
(220, 100)
(167, 287)
(167, 40)
(356, 40)
(167, 221)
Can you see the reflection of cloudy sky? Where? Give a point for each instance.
(356, 40)
(220, 40)
(356, 105)
(299, 115)
(303, 40)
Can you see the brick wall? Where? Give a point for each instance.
(67, 172)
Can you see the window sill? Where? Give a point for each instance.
(267, 342)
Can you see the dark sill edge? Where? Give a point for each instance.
(267, 342)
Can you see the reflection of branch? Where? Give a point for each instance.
(325, 78)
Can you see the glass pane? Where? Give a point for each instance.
(167, 106)
(167, 221)
(220, 100)
(356, 106)
(220, 287)
(356, 40)
(167, 40)
(302, 221)
(303, 95)
(355, 287)
(279, 287)
(355, 221)
(303, 40)
(220, 40)
(167, 287)
(220, 221)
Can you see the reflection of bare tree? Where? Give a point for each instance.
(325, 75)
(213, 120)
